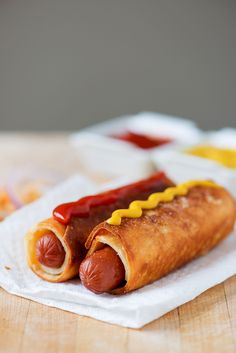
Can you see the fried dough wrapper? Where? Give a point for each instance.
(167, 237)
(74, 235)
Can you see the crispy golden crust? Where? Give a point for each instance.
(169, 236)
(67, 270)
(74, 236)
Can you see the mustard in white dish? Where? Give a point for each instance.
(224, 156)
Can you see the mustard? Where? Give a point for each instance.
(136, 208)
(224, 156)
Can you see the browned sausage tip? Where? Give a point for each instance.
(102, 271)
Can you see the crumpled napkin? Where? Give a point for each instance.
(131, 310)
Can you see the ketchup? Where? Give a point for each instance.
(82, 207)
(142, 141)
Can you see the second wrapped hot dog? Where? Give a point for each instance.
(156, 236)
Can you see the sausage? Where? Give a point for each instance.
(102, 271)
(49, 251)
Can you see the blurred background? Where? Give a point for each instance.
(67, 64)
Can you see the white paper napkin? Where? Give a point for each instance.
(131, 310)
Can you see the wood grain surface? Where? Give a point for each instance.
(206, 324)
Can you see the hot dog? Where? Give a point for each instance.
(49, 251)
(155, 237)
(102, 271)
(71, 225)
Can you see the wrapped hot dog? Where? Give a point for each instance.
(56, 246)
(151, 238)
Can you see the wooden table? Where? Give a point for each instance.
(207, 324)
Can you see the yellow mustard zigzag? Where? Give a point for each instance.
(136, 207)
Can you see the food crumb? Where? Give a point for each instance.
(7, 268)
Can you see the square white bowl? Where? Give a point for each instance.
(181, 166)
(101, 153)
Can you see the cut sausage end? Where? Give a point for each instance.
(102, 271)
(49, 251)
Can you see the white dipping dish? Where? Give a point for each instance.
(100, 153)
(181, 166)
